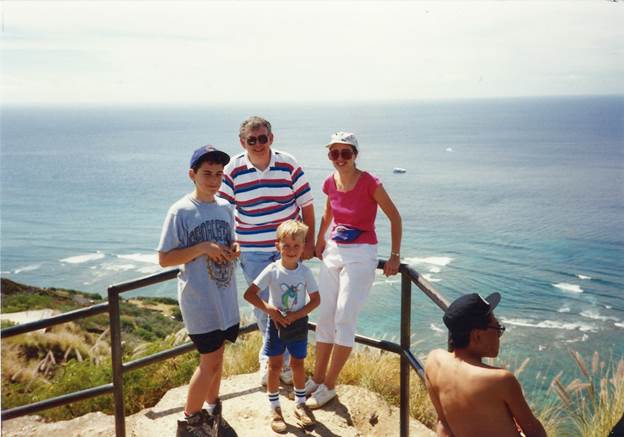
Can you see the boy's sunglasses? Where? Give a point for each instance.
(500, 328)
(262, 139)
(345, 154)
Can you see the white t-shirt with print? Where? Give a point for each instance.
(287, 288)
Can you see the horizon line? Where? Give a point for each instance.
(315, 102)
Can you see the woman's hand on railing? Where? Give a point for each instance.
(392, 265)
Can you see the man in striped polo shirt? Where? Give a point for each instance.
(267, 187)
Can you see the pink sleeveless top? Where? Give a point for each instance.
(356, 208)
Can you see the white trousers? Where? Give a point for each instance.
(346, 277)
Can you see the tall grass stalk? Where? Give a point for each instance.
(591, 405)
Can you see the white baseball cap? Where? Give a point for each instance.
(344, 138)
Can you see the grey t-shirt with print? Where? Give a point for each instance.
(287, 288)
(206, 289)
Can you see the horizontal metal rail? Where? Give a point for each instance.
(35, 407)
(145, 281)
(54, 320)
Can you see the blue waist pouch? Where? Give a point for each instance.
(345, 234)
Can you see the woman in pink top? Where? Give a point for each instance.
(349, 260)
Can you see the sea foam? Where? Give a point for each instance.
(79, 259)
(148, 269)
(583, 277)
(29, 268)
(435, 328)
(148, 258)
(584, 337)
(568, 287)
(430, 278)
(592, 314)
(552, 324)
(435, 260)
(118, 267)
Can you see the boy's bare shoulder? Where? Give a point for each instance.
(437, 354)
(497, 377)
(435, 357)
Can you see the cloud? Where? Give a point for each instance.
(142, 52)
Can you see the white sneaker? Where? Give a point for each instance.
(286, 376)
(320, 397)
(310, 386)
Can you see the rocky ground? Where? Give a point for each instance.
(355, 412)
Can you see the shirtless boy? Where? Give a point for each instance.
(470, 397)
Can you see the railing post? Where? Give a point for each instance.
(406, 311)
(116, 358)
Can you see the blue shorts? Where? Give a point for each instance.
(273, 346)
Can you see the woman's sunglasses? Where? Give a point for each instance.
(262, 139)
(345, 154)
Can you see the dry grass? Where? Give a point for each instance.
(593, 403)
(38, 355)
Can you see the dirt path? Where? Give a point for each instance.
(355, 412)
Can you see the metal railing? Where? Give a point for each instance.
(407, 359)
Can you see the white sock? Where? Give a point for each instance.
(274, 400)
(300, 396)
(211, 408)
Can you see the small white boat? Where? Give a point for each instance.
(398, 170)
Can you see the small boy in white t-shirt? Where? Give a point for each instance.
(289, 282)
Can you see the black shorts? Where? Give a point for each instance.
(213, 340)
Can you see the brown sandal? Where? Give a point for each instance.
(277, 421)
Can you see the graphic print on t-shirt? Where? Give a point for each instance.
(290, 293)
(220, 232)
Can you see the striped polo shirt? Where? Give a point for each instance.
(264, 199)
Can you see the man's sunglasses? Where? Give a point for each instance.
(345, 154)
(500, 328)
(262, 139)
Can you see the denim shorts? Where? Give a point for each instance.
(273, 346)
(211, 341)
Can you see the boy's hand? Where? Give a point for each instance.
(276, 316)
(234, 252)
(291, 317)
(216, 252)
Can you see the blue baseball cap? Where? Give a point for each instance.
(215, 155)
(470, 311)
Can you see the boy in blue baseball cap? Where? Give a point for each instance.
(198, 235)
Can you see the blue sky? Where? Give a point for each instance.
(146, 52)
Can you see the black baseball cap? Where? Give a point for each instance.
(215, 155)
(470, 311)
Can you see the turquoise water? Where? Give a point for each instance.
(522, 196)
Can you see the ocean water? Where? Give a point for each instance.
(521, 196)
